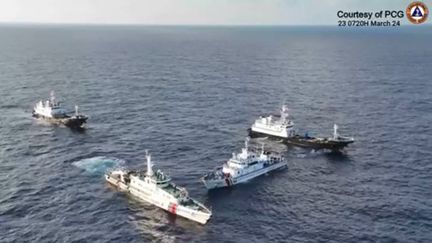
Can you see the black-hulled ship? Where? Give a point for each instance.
(281, 127)
(52, 111)
(334, 143)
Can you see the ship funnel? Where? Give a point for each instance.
(335, 132)
(149, 164)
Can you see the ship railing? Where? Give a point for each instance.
(121, 169)
(216, 174)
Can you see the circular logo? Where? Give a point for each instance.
(417, 12)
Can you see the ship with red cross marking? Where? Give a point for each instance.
(156, 188)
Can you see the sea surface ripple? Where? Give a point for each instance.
(188, 94)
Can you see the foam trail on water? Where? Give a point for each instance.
(98, 165)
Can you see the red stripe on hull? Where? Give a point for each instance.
(172, 208)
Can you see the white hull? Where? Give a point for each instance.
(269, 131)
(157, 199)
(227, 182)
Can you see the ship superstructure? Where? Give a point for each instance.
(274, 125)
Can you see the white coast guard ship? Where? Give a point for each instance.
(52, 111)
(243, 167)
(156, 188)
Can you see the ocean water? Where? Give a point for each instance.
(188, 94)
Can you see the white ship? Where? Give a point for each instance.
(281, 127)
(277, 126)
(156, 188)
(52, 111)
(243, 167)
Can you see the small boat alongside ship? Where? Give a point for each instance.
(281, 127)
(243, 167)
(52, 111)
(156, 188)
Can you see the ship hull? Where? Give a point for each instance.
(231, 181)
(307, 142)
(72, 122)
(318, 143)
(255, 134)
(171, 207)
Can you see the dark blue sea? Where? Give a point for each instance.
(188, 94)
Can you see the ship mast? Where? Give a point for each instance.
(52, 98)
(284, 113)
(335, 132)
(246, 143)
(149, 164)
(245, 149)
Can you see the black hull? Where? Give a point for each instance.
(75, 122)
(317, 143)
(72, 122)
(307, 142)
